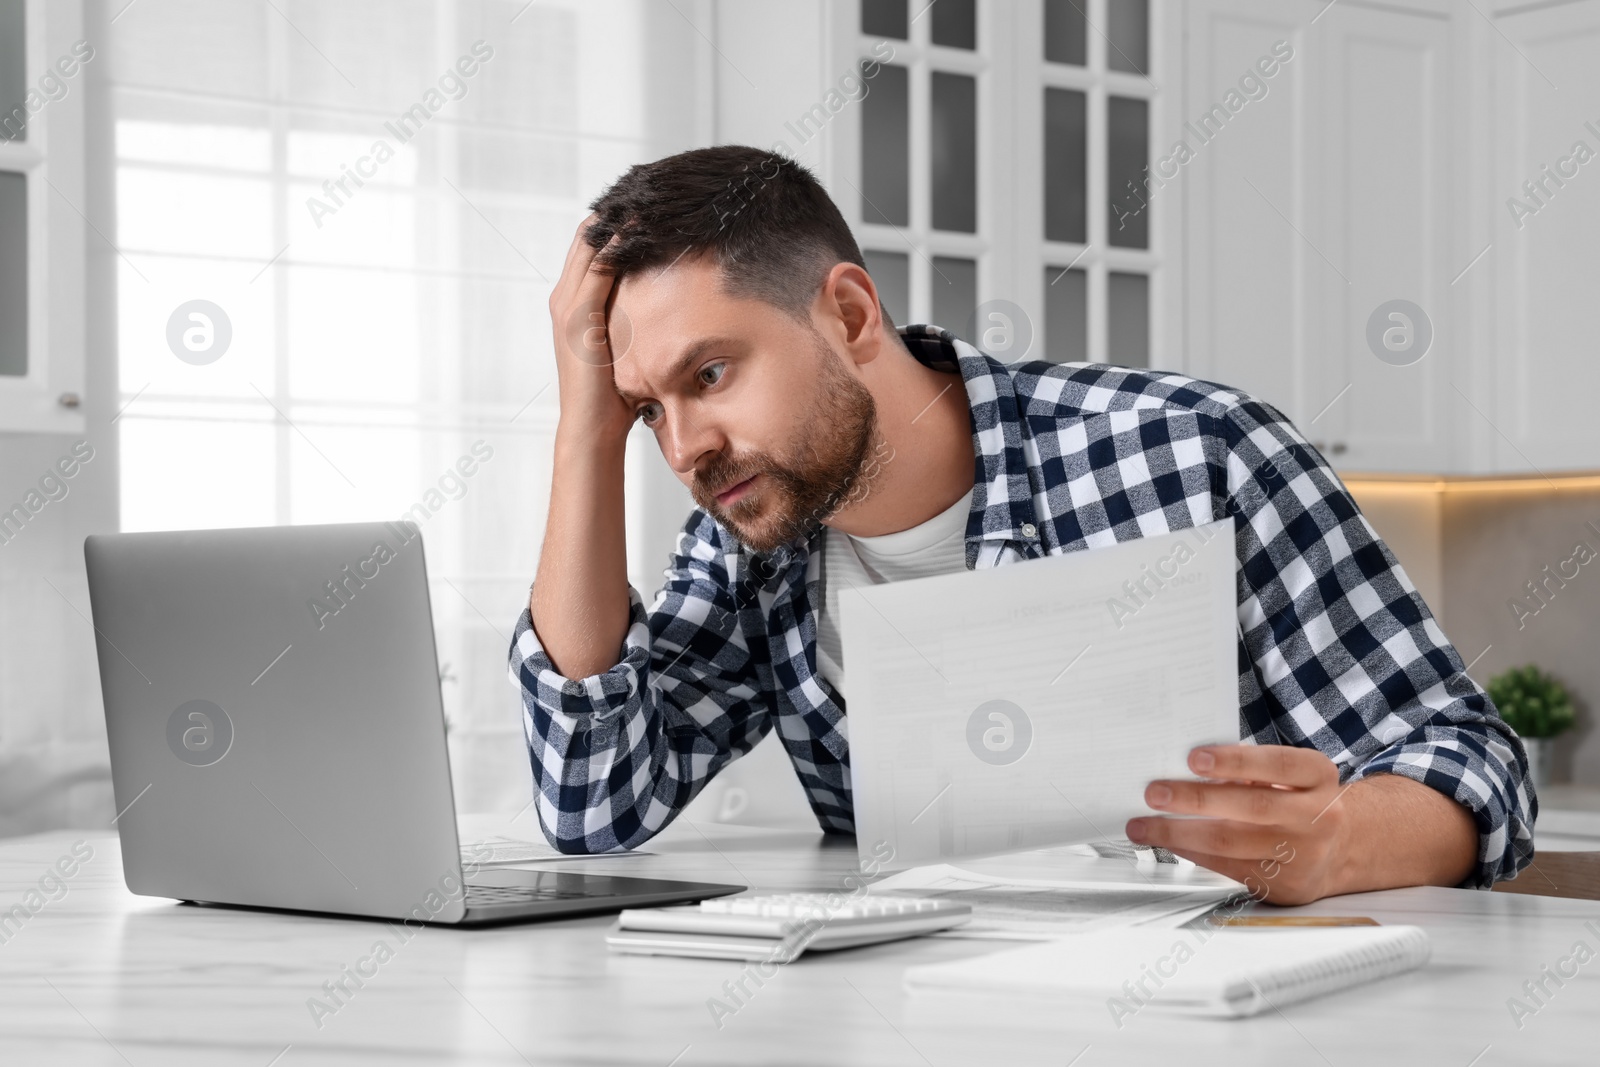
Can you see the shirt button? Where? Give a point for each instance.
(1029, 530)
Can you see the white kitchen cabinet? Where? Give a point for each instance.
(1381, 199)
(1545, 266)
(1245, 270)
(1314, 205)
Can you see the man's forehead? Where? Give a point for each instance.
(655, 289)
(666, 315)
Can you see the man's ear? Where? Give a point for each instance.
(849, 314)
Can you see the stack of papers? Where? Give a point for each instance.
(1009, 908)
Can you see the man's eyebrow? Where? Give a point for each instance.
(692, 354)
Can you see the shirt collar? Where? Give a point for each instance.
(1002, 497)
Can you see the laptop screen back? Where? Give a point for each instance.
(272, 705)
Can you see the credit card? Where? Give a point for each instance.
(1292, 920)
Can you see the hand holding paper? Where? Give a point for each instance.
(1277, 819)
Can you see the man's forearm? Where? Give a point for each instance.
(580, 595)
(1399, 832)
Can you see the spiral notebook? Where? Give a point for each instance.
(1229, 973)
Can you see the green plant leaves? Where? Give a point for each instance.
(1532, 702)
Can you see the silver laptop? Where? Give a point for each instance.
(277, 736)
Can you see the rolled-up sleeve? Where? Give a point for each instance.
(1341, 654)
(617, 755)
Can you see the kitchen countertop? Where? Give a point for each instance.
(1569, 818)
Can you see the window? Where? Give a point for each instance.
(338, 240)
(999, 168)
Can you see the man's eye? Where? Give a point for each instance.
(711, 373)
(649, 413)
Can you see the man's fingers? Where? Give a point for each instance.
(582, 299)
(595, 285)
(580, 257)
(1243, 803)
(1261, 886)
(1216, 837)
(1253, 794)
(581, 331)
(579, 249)
(1227, 866)
(1301, 768)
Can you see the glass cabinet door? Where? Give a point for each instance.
(1004, 169)
(13, 274)
(44, 216)
(13, 193)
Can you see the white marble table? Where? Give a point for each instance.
(103, 977)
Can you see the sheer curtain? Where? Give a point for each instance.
(338, 226)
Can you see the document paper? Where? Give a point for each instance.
(1010, 909)
(1029, 705)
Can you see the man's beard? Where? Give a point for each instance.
(800, 490)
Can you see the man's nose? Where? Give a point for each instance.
(689, 442)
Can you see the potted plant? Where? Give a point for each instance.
(1538, 708)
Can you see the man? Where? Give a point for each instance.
(825, 449)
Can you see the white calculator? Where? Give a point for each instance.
(779, 927)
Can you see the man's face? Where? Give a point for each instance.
(757, 414)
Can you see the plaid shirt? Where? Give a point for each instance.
(1337, 650)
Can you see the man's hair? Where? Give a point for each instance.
(762, 218)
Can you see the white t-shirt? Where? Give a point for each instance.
(937, 546)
